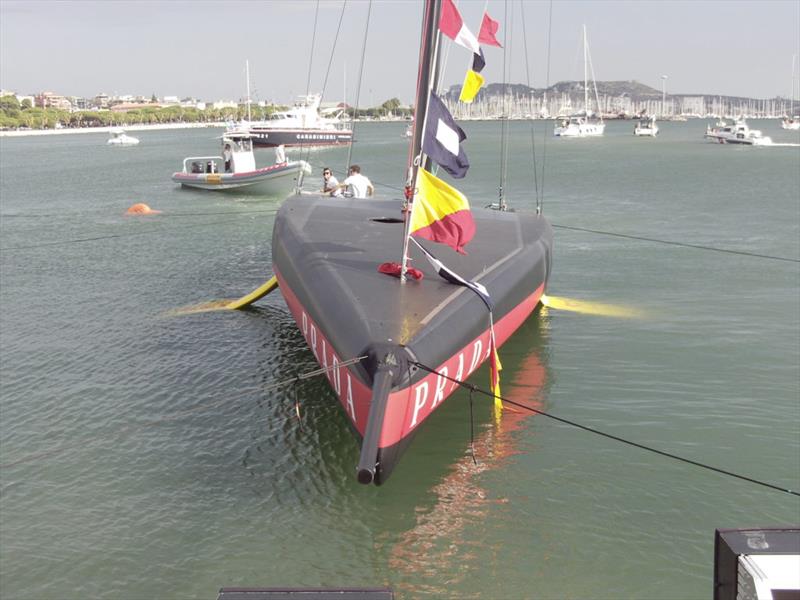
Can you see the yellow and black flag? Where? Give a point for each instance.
(473, 80)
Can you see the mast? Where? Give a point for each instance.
(791, 95)
(427, 79)
(585, 76)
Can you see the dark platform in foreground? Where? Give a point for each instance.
(305, 594)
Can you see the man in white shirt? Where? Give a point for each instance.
(357, 185)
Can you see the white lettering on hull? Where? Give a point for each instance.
(424, 401)
(420, 390)
(421, 396)
(327, 357)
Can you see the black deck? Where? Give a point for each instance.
(329, 249)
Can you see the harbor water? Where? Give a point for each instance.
(146, 451)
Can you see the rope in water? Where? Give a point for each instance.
(272, 212)
(138, 233)
(474, 388)
(470, 387)
(127, 429)
(671, 243)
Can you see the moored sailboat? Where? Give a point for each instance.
(791, 121)
(396, 348)
(646, 127)
(583, 124)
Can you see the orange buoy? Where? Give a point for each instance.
(141, 209)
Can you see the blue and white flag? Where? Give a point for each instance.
(442, 141)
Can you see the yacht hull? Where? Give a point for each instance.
(326, 253)
(588, 130)
(268, 137)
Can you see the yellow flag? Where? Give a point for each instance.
(472, 83)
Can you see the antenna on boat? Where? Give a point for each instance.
(247, 76)
(427, 77)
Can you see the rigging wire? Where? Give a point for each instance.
(305, 149)
(333, 49)
(545, 133)
(616, 438)
(530, 108)
(504, 125)
(313, 42)
(358, 88)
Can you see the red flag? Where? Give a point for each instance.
(488, 31)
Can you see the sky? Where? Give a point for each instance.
(199, 48)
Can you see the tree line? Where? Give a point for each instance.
(16, 115)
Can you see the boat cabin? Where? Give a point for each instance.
(240, 145)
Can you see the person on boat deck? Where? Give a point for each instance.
(331, 183)
(356, 184)
(226, 155)
(280, 154)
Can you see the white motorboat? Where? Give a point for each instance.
(236, 170)
(583, 124)
(737, 133)
(120, 138)
(646, 127)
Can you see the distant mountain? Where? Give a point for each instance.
(634, 90)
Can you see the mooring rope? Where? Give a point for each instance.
(126, 429)
(671, 243)
(473, 388)
(134, 233)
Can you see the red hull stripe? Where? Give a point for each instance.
(409, 407)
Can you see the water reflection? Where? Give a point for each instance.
(439, 543)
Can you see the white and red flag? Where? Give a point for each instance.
(452, 25)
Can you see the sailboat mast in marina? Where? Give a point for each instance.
(791, 121)
(395, 341)
(583, 125)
